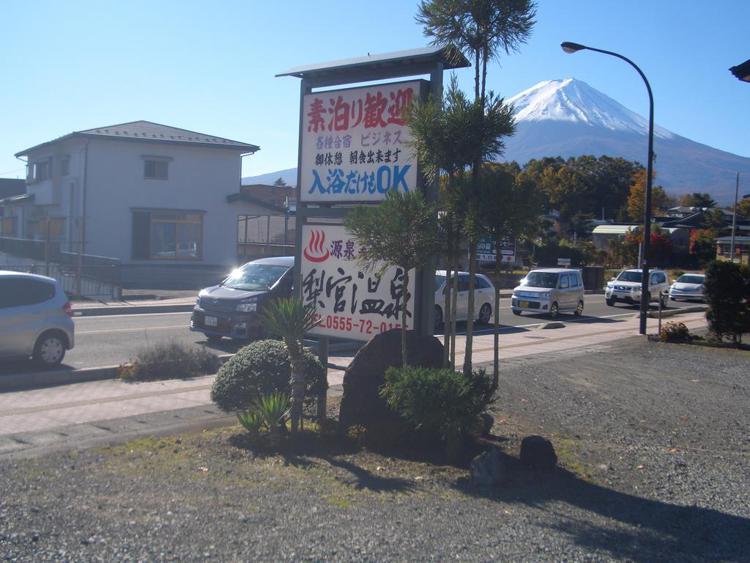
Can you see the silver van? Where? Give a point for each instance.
(550, 291)
(35, 318)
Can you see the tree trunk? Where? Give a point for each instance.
(446, 311)
(470, 308)
(496, 359)
(454, 298)
(476, 74)
(404, 318)
(297, 383)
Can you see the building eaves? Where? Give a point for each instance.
(394, 63)
(151, 132)
(23, 198)
(247, 198)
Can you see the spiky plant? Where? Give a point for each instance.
(291, 319)
(251, 420)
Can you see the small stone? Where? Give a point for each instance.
(488, 469)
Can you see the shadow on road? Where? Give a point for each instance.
(15, 367)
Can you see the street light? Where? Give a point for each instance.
(569, 48)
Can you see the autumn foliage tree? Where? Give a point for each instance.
(636, 197)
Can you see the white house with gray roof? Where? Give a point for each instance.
(152, 196)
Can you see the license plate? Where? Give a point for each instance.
(211, 321)
(523, 303)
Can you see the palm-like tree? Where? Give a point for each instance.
(481, 29)
(291, 319)
(402, 232)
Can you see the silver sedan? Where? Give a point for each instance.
(688, 287)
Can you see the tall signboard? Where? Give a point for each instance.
(350, 302)
(354, 148)
(356, 145)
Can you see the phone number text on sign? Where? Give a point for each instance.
(349, 301)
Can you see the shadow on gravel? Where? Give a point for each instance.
(653, 530)
(314, 452)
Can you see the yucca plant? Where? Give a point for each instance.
(251, 420)
(291, 319)
(273, 409)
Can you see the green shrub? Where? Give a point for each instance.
(675, 332)
(440, 402)
(268, 412)
(261, 368)
(169, 360)
(728, 296)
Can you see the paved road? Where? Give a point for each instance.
(114, 339)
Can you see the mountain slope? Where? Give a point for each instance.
(570, 118)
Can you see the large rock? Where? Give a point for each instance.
(361, 403)
(537, 452)
(488, 469)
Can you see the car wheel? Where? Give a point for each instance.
(49, 350)
(554, 310)
(611, 301)
(579, 309)
(485, 314)
(663, 301)
(213, 339)
(438, 318)
(517, 312)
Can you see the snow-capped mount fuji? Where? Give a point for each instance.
(574, 101)
(570, 118)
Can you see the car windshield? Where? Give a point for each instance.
(687, 278)
(254, 277)
(541, 279)
(628, 276)
(439, 279)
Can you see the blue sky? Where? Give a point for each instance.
(210, 66)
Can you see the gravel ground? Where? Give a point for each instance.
(654, 444)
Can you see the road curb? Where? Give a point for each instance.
(131, 310)
(53, 378)
(681, 311)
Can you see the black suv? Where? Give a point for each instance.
(233, 307)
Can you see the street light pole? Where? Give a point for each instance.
(569, 47)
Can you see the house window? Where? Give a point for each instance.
(39, 170)
(155, 169)
(65, 166)
(167, 235)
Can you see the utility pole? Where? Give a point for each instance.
(734, 215)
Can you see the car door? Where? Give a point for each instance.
(563, 291)
(21, 314)
(483, 294)
(655, 288)
(576, 289)
(462, 298)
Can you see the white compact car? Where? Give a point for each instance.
(688, 287)
(626, 287)
(484, 297)
(35, 318)
(549, 291)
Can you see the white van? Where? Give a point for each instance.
(550, 291)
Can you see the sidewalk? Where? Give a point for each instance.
(78, 412)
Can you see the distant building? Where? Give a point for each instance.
(603, 234)
(266, 226)
(152, 196)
